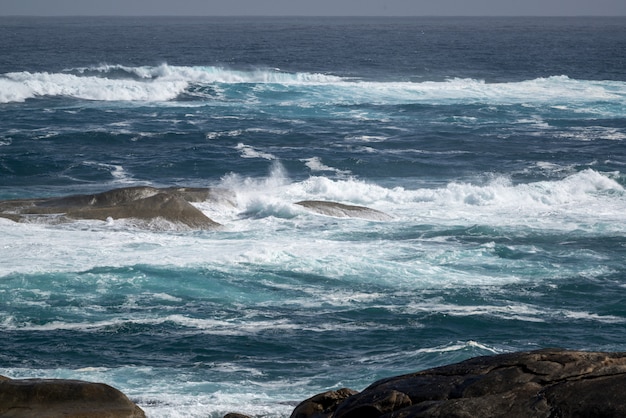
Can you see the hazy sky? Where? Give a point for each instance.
(315, 7)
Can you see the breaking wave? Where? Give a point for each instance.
(168, 83)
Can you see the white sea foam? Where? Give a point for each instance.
(212, 74)
(588, 316)
(366, 138)
(119, 174)
(165, 83)
(418, 356)
(315, 164)
(265, 212)
(241, 326)
(457, 346)
(542, 91)
(13, 91)
(517, 312)
(551, 168)
(161, 83)
(514, 311)
(249, 152)
(592, 133)
(166, 297)
(25, 85)
(231, 134)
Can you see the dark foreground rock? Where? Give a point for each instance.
(141, 202)
(549, 383)
(341, 210)
(42, 398)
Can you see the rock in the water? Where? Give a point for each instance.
(546, 383)
(341, 210)
(41, 398)
(142, 202)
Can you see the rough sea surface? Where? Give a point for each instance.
(496, 146)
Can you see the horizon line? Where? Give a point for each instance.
(318, 16)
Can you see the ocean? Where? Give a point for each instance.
(495, 146)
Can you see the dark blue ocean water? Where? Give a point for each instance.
(495, 145)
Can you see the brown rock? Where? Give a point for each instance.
(201, 194)
(47, 398)
(340, 210)
(142, 202)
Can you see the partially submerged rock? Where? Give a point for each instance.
(546, 383)
(140, 202)
(341, 210)
(41, 398)
(146, 204)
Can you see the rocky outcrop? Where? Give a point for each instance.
(549, 383)
(146, 204)
(340, 210)
(141, 202)
(41, 398)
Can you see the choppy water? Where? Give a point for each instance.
(496, 146)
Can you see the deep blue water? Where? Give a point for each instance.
(495, 145)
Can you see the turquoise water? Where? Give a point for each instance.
(495, 146)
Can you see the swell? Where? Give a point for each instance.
(170, 83)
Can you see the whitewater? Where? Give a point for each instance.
(490, 151)
(165, 83)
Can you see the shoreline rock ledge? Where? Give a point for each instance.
(550, 383)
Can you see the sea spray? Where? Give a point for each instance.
(502, 178)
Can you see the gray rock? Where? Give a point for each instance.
(141, 202)
(549, 383)
(47, 398)
(340, 210)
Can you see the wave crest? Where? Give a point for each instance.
(17, 87)
(167, 82)
(144, 83)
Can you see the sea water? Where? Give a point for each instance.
(495, 146)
